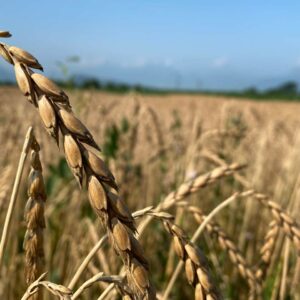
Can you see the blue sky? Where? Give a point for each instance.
(166, 43)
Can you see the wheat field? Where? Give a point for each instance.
(212, 187)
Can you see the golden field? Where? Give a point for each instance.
(153, 144)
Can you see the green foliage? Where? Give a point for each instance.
(69, 80)
(177, 123)
(236, 124)
(112, 138)
(7, 83)
(58, 173)
(125, 125)
(92, 84)
(286, 91)
(111, 142)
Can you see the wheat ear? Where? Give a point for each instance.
(283, 219)
(235, 255)
(196, 265)
(199, 182)
(82, 155)
(34, 218)
(199, 231)
(266, 250)
(190, 187)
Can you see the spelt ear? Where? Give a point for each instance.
(84, 161)
(235, 255)
(196, 266)
(34, 217)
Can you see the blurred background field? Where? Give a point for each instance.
(152, 143)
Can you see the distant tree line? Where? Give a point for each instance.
(286, 91)
(94, 83)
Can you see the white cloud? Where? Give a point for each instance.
(137, 63)
(93, 62)
(298, 62)
(168, 62)
(220, 62)
(141, 62)
(133, 63)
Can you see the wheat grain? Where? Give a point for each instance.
(5, 34)
(24, 57)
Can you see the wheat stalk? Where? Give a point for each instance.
(12, 202)
(34, 217)
(82, 155)
(86, 261)
(116, 280)
(154, 127)
(283, 283)
(55, 289)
